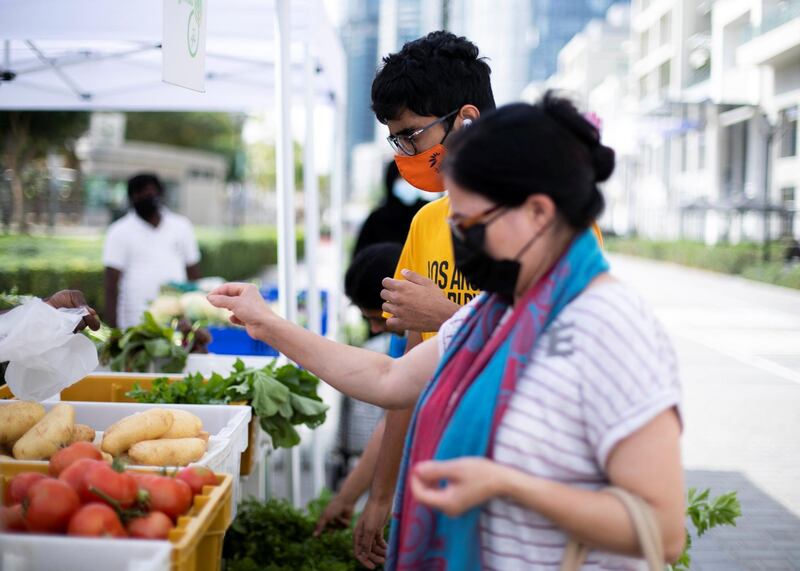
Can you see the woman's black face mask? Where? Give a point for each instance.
(480, 269)
(483, 271)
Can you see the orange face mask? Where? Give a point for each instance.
(422, 170)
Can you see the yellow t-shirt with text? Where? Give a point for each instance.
(428, 251)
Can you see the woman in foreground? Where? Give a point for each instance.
(555, 383)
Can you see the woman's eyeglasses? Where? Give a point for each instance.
(460, 227)
(405, 143)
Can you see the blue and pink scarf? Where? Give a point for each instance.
(458, 412)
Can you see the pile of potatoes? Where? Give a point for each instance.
(155, 437)
(30, 434)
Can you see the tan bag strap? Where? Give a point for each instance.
(645, 525)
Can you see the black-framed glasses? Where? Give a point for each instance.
(460, 227)
(404, 144)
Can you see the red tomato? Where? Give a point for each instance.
(168, 495)
(71, 454)
(75, 473)
(104, 484)
(154, 525)
(96, 520)
(12, 518)
(197, 477)
(50, 505)
(19, 485)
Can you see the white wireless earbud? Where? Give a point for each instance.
(467, 122)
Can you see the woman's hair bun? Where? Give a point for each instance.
(603, 160)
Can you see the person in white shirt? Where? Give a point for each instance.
(145, 249)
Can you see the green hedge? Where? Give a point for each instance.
(744, 259)
(38, 265)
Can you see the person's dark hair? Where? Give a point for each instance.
(142, 181)
(433, 75)
(362, 282)
(521, 149)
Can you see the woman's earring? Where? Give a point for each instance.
(467, 122)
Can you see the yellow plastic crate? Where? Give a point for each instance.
(198, 536)
(113, 388)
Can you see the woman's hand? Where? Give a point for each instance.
(245, 302)
(469, 482)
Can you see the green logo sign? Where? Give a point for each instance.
(193, 25)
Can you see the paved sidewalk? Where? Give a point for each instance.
(738, 344)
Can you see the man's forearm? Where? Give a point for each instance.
(358, 481)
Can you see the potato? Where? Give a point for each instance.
(107, 457)
(82, 433)
(46, 436)
(168, 452)
(18, 418)
(204, 436)
(184, 425)
(146, 425)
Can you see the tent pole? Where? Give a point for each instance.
(311, 242)
(287, 297)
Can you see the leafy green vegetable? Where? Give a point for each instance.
(139, 346)
(282, 397)
(274, 536)
(706, 514)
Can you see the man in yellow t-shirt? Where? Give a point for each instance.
(427, 268)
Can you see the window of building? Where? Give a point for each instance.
(787, 126)
(788, 202)
(663, 77)
(665, 29)
(643, 39)
(643, 86)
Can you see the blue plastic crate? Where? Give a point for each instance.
(236, 341)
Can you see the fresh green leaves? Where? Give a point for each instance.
(705, 514)
(275, 536)
(282, 397)
(139, 346)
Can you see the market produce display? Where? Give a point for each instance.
(166, 347)
(282, 397)
(47, 435)
(155, 437)
(88, 497)
(274, 536)
(148, 438)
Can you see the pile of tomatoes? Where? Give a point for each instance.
(83, 495)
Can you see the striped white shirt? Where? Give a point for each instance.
(602, 370)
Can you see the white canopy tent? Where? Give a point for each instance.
(92, 55)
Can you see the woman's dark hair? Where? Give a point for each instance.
(364, 277)
(142, 181)
(521, 149)
(433, 75)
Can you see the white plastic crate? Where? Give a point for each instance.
(226, 424)
(20, 552)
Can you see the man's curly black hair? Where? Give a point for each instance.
(432, 76)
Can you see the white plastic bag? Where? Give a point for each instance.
(44, 354)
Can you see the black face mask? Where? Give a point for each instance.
(483, 271)
(146, 207)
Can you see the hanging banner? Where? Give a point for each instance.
(184, 44)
